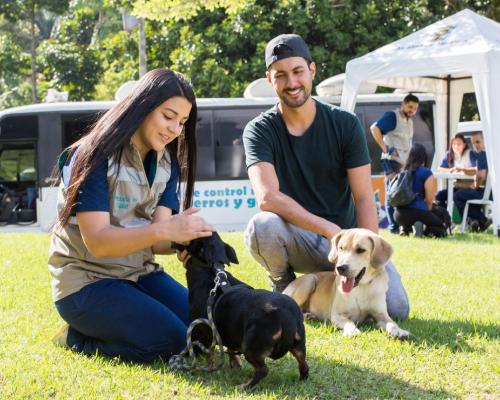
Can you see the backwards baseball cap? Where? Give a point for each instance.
(284, 46)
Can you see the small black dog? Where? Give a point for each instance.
(253, 322)
(444, 217)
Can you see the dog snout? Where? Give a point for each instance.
(342, 269)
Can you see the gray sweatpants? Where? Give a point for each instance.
(282, 249)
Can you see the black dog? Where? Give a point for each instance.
(253, 322)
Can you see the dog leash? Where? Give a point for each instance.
(181, 361)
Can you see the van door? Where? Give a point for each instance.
(18, 169)
(17, 183)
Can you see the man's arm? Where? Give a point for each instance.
(267, 192)
(480, 177)
(481, 167)
(360, 182)
(377, 135)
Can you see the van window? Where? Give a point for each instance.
(18, 127)
(17, 164)
(205, 165)
(228, 132)
(76, 125)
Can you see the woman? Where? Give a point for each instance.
(457, 160)
(118, 205)
(418, 213)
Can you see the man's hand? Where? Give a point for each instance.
(333, 229)
(394, 155)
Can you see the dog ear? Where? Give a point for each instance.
(332, 256)
(231, 254)
(382, 251)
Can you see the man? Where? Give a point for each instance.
(393, 132)
(477, 220)
(310, 170)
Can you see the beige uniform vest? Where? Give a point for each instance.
(463, 161)
(132, 203)
(401, 136)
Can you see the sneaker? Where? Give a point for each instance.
(393, 228)
(403, 231)
(60, 338)
(279, 284)
(418, 229)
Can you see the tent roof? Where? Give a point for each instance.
(436, 48)
(462, 33)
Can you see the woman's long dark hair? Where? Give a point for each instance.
(451, 153)
(416, 158)
(117, 126)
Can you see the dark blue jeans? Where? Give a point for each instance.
(475, 212)
(140, 321)
(389, 210)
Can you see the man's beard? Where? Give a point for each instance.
(298, 102)
(407, 115)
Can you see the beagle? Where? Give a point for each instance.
(355, 290)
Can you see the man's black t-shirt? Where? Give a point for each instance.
(312, 168)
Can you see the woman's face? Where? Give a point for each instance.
(458, 146)
(162, 125)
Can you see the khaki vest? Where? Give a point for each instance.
(463, 161)
(132, 203)
(400, 137)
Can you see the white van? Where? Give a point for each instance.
(468, 127)
(32, 137)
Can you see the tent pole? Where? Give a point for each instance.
(448, 106)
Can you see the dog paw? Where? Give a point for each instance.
(310, 317)
(400, 334)
(246, 386)
(234, 361)
(243, 387)
(351, 331)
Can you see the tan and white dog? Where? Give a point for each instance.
(356, 290)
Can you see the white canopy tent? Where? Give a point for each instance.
(333, 86)
(457, 55)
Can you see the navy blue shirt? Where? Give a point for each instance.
(420, 175)
(479, 159)
(94, 194)
(387, 122)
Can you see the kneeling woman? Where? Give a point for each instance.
(118, 205)
(418, 213)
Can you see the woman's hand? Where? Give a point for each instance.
(183, 227)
